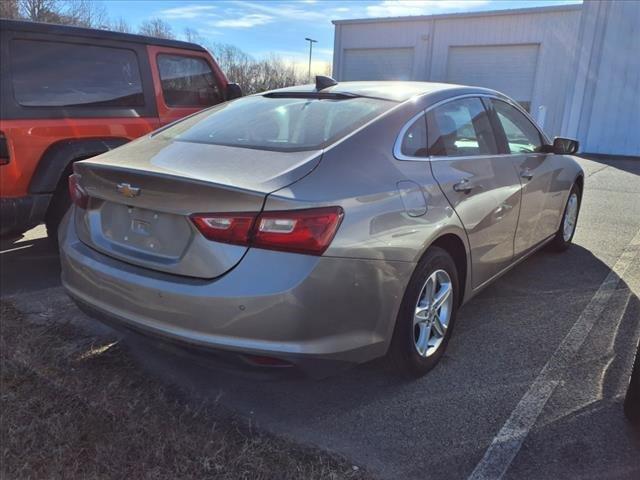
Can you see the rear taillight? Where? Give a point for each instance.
(300, 231)
(225, 227)
(4, 150)
(78, 196)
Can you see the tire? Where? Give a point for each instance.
(58, 206)
(409, 354)
(632, 399)
(562, 239)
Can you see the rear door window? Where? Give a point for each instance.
(58, 74)
(187, 81)
(460, 128)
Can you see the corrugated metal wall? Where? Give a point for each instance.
(405, 34)
(380, 63)
(605, 110)
(554, 30)
(510, 69)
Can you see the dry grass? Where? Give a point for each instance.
(75, 408)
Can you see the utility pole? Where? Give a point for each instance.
(311, 42)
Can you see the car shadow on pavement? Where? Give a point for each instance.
(585, 415)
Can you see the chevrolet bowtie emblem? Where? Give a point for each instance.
(127, 190)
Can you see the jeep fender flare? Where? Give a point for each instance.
(60, 155)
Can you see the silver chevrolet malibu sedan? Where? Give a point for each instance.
(320, 225)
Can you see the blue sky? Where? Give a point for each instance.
(263, 27)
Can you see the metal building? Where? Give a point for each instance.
(576, 68)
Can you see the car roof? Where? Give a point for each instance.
(387, 90)
(54, 29)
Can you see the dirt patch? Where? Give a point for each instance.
(76, 406)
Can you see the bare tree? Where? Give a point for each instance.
(9, 9)
(236, 64)
(192, 35)
(120, 25)
(49, 11)
(273, 72)
(86, 13)
(156, 27)
(251, 74)
(82, 13)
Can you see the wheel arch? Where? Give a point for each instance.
(579, 181)
(453, 242)
(60, 155)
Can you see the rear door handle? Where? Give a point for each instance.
(464, 186)
(502, 210)
(526, 174)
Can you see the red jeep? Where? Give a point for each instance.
(70, 93)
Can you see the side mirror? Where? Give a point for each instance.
(233, 91)
(565, 146)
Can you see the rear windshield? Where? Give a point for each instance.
(281, 124)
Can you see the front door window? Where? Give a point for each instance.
(187, 82)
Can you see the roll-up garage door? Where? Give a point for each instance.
(378, 64)
(510, 69)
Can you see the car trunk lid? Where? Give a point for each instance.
(141, 197)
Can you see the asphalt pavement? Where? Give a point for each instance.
(531, 385)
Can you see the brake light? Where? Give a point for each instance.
(225, 227)
(78, 195)
(301, 231)
(4, 149)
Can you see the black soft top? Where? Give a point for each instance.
(53, 29)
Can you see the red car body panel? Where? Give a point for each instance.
(28, 140)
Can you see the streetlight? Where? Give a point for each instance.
(311, 42)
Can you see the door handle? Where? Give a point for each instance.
(464, 186)
(526, 174)
(502, 210)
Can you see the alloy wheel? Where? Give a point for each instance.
(432, 313)
(570, 217)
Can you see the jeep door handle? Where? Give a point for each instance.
(464, 186)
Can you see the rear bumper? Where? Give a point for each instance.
(19, 214)
(295, 307)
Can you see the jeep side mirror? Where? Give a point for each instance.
(233, 91)
(565, 146)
